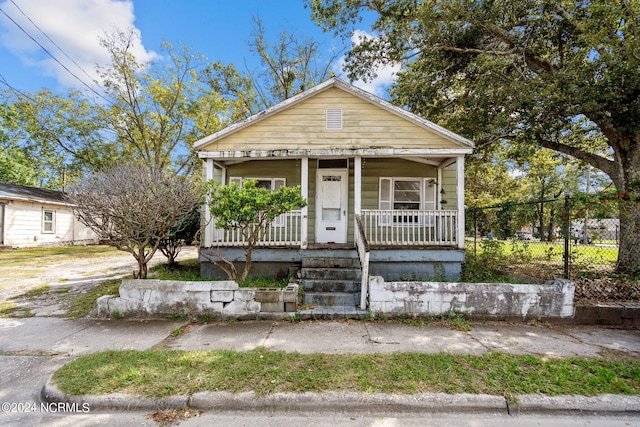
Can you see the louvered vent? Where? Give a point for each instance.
(334, 118)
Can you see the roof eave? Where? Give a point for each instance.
(335, 152)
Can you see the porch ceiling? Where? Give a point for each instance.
(434, 156)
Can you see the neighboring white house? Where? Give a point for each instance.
(38, 217)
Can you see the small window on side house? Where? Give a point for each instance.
(48, 221)
(334, 118)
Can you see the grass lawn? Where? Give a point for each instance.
(551, 251)
(158, 373)
(31, 256)
(189, 270)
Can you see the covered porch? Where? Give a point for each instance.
(349, 198)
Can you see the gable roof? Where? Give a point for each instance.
(31, 194)
(347, 87)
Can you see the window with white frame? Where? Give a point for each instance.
(48, 221)
(271, 184)
(268, 183)
(405, 194)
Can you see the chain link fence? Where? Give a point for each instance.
(545, 239)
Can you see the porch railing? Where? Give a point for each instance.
(362, 247)
(410, 227)
(285, 230)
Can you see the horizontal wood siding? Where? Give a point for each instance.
(287, 169)
(372, 170)
(365, 125)
(311, 224)
(375, 168)
(449, 187)
(23, 225)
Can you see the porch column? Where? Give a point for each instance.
(439, 187)
(304, 189)
(460, 201)
(209, 230)
(357, 185)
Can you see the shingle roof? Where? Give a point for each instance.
(31, 194)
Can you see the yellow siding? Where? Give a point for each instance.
(287, 169)
(450, 187)
(372, 170)
(375, 168)
(365, 125)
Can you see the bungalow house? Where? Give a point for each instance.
(38, 217)
(385, 188)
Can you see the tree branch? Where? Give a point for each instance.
(602, 163)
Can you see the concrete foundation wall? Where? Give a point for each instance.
(393, 264)
(156, 298)
(553, 299)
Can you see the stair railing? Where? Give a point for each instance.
(362, 247)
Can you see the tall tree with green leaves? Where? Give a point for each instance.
(558, 74)
(288, 67)
(50, 136)
(158, 110)
(541, 182)
(151, 112)
(14, 165)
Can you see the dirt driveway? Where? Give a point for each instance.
(71, 274)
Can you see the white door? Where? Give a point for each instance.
(1, 224)
(331, 205)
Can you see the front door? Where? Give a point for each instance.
(331, 205)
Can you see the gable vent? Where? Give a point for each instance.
(334, 118)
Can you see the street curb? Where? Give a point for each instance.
(351, 402)
(122, 401)
(601, 404)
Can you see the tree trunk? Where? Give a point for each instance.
(628, 185)
(629, 249)
(550, 226)
(142, 269)
(142, 264)
(247, 263)
(541, 221)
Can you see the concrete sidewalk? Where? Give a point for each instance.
(50, 335)
(65, 339)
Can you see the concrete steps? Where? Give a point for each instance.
(331, 286)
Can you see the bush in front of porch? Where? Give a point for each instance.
(251, 210)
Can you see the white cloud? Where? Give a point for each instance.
(386, 74)
(75, 26)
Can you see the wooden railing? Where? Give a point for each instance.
(285, 230)
(362, 247)
(410, 227)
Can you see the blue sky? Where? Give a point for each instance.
(70, 29)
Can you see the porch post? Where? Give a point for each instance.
(439, 188)
(357, 185)
(209, 230)
(460, 203)
(304, 188)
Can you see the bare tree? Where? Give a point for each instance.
(133, 208)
